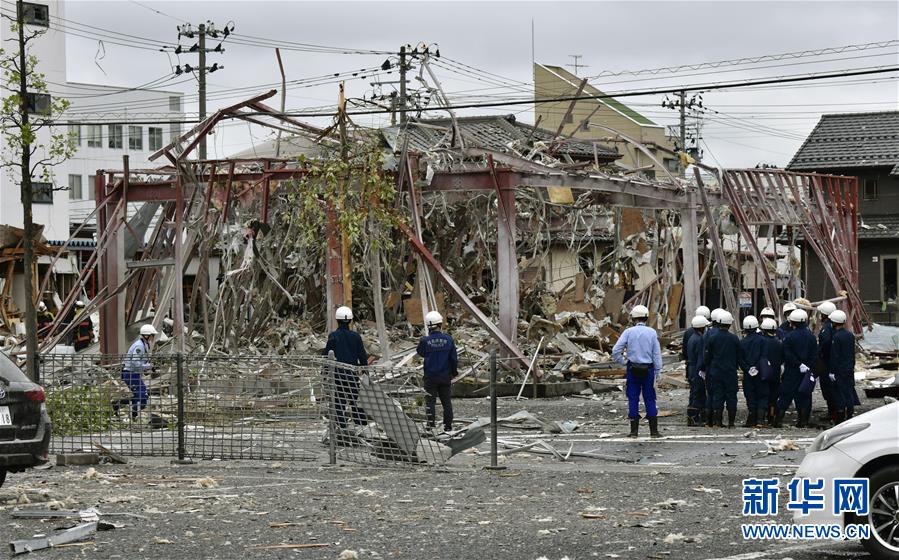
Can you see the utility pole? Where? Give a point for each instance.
(27, 216)
(203, 31)
(683, 131)
(402, 85)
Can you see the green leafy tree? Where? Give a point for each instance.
(27, 154)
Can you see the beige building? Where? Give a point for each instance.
(553, 81)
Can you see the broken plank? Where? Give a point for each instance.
(75, 534)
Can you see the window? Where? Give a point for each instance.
(91, 181)
(94, 136)
(75, 133)
(672, 165)
(36, 14)
(174, 103)
(155, 138)
(870, 189)
(75, 187)
(115, 136)
(135, 138)
(42, 193)
(889, 277)
(39, 103)
(175, 131)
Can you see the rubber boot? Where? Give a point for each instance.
(772, 413)
(692, 415)
(710, 418)
(850, 411)
(751, 419)
(731, 416)
(839, 416)
(778, 419)
(654, 427)
(635, 425)
(761, 420)
(803, 418)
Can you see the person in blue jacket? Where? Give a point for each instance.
(696, 372)
(785, 327)
(825, 335)
(701, 311)
(841, 367)
(638, 348)
(721, 357)
(774, 355)
(755, 389)
(134, 366)
(348, 349)
(800, 350)
(441, 365)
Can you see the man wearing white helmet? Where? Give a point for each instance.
(774, 357)
(441, 364)
(638, 348)
(84, 328)
(800, 350)
(786, 326)
(767, 313)
(135, 364)
(722, 356)
(44, 317)
(755, 389)
(348, 349)
(696, 372)
(841, 367)
(825, 336)
(701, 311)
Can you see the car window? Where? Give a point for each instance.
(10, 370)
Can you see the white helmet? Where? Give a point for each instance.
(715, 315)
(826, 308)
(148, 330)
(344, 313)
(41, 306)
(769, 324)
(704, 311)
(725, 318)
(79, 303)
(798, 316)
(699, 322)
(767, 312)
(433, 319)
(788, 307)
(750, 322)
(639, 312)
(838, 316)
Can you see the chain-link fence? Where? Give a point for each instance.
(246, 407)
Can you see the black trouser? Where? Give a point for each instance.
(346, 392)
(439, 388)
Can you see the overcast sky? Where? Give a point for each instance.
(763, 125)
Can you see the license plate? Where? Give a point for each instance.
(5, 416)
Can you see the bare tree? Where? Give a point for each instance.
(26, 110)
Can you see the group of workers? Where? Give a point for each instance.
(83, 334)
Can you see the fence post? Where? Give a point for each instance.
(493, 422)
(332, 409)
(179, 361)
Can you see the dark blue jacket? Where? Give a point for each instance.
(774, 352)
(784, 329)
(439, 352)
(800, 347)
(722, 353)
(695, 347)
(683, 352)
(347, 346)
(752, 349)
(824, 339)
(842, 353)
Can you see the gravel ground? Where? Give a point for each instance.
(680, 499)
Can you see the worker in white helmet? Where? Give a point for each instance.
(44, 318)
(767, 313)
(696, 372)
(800, 350)
(841, 367)
(722, 357)
(134, 366)
(348, 349)
(638, 348)
(701, 311)
(774, 364)
(786, 326)
(441, 365)
(825, 337)
(755, 388)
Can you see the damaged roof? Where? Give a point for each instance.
(490, 132)
(851, 140)
(878, 227)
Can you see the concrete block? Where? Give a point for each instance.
(63, 459)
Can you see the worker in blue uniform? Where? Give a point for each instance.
(825, 335)
(348, 349)
(696, 372)
(638, 348)
(441, 365)
(774, 356)
(841, 367)
(786, 326)
(135, 364)
(755, 389)
(721, 357)
(800, 350)
(701, 311)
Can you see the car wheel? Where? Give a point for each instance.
(883, 517)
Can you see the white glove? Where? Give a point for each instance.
(702, 374)
(832, 377)
(753, 371)
(804, 368)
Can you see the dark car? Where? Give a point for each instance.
(24, 423)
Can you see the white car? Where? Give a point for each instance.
(865, 446)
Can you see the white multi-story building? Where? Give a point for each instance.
(107, 122)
